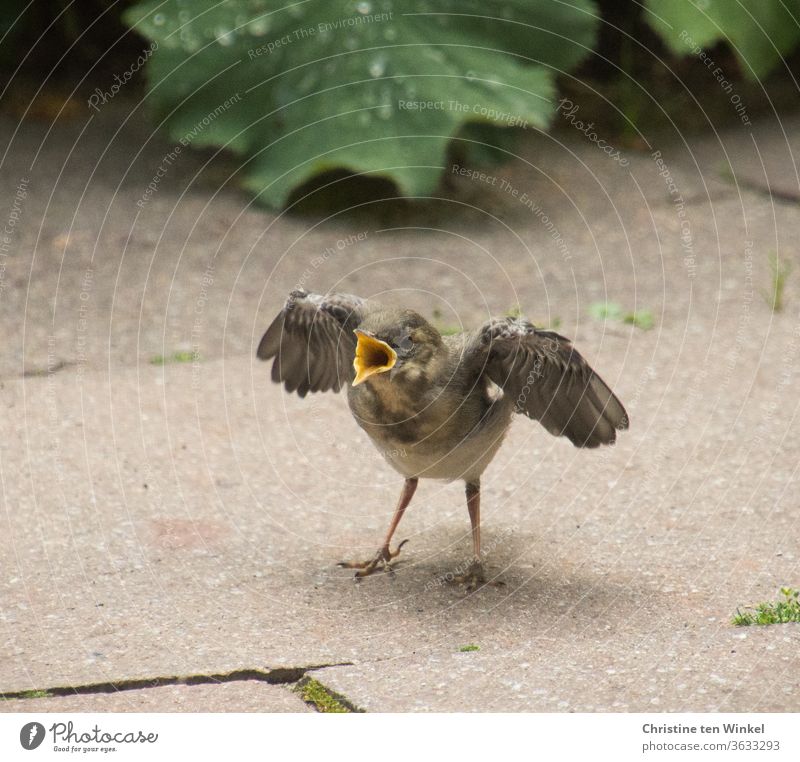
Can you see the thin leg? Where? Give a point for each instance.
(385, 555)
(474, 576)
(409, 488)
(474, 508)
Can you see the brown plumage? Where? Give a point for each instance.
(437, 407)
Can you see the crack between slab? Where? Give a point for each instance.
(49, 370)
(767, 191)
(277, 676)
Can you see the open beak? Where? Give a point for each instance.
(372, 356)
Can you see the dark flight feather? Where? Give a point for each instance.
(549, 381)
(312, 342)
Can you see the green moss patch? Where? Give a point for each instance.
(315, 694)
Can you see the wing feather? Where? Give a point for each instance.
(312, 341)
(550, 382)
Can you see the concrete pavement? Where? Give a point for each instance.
(177, 520)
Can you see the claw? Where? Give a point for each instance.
(399, 548)
(381, 560)
(475, 577)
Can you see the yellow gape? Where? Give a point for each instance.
(372, 356)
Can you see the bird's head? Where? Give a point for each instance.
(398, 343)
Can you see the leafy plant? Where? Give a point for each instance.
(605, 311)
(445, 329)
(779, 612)
(612, 311)
(779, 272)
(640, 319)
(760, 32)
(378, 88)
(179, 356)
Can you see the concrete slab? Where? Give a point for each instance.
(699, 667)
(765, 157)
(225, 559)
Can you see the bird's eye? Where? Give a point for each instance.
(405, 343)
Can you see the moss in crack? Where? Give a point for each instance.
(29, 695)
(315, 694)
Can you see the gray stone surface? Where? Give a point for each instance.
(246, 696)
(186, 519)
(764, 157)
(586, 668)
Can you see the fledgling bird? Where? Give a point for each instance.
(437, 406)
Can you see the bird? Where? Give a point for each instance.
(434, 406)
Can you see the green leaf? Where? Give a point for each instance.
(371, 87)
(761, 32)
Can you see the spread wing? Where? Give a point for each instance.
(549, 381)
(312, 341)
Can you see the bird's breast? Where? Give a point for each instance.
(398, 412)
(439, 434)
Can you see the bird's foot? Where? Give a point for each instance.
(475, 577)
(382, 560)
